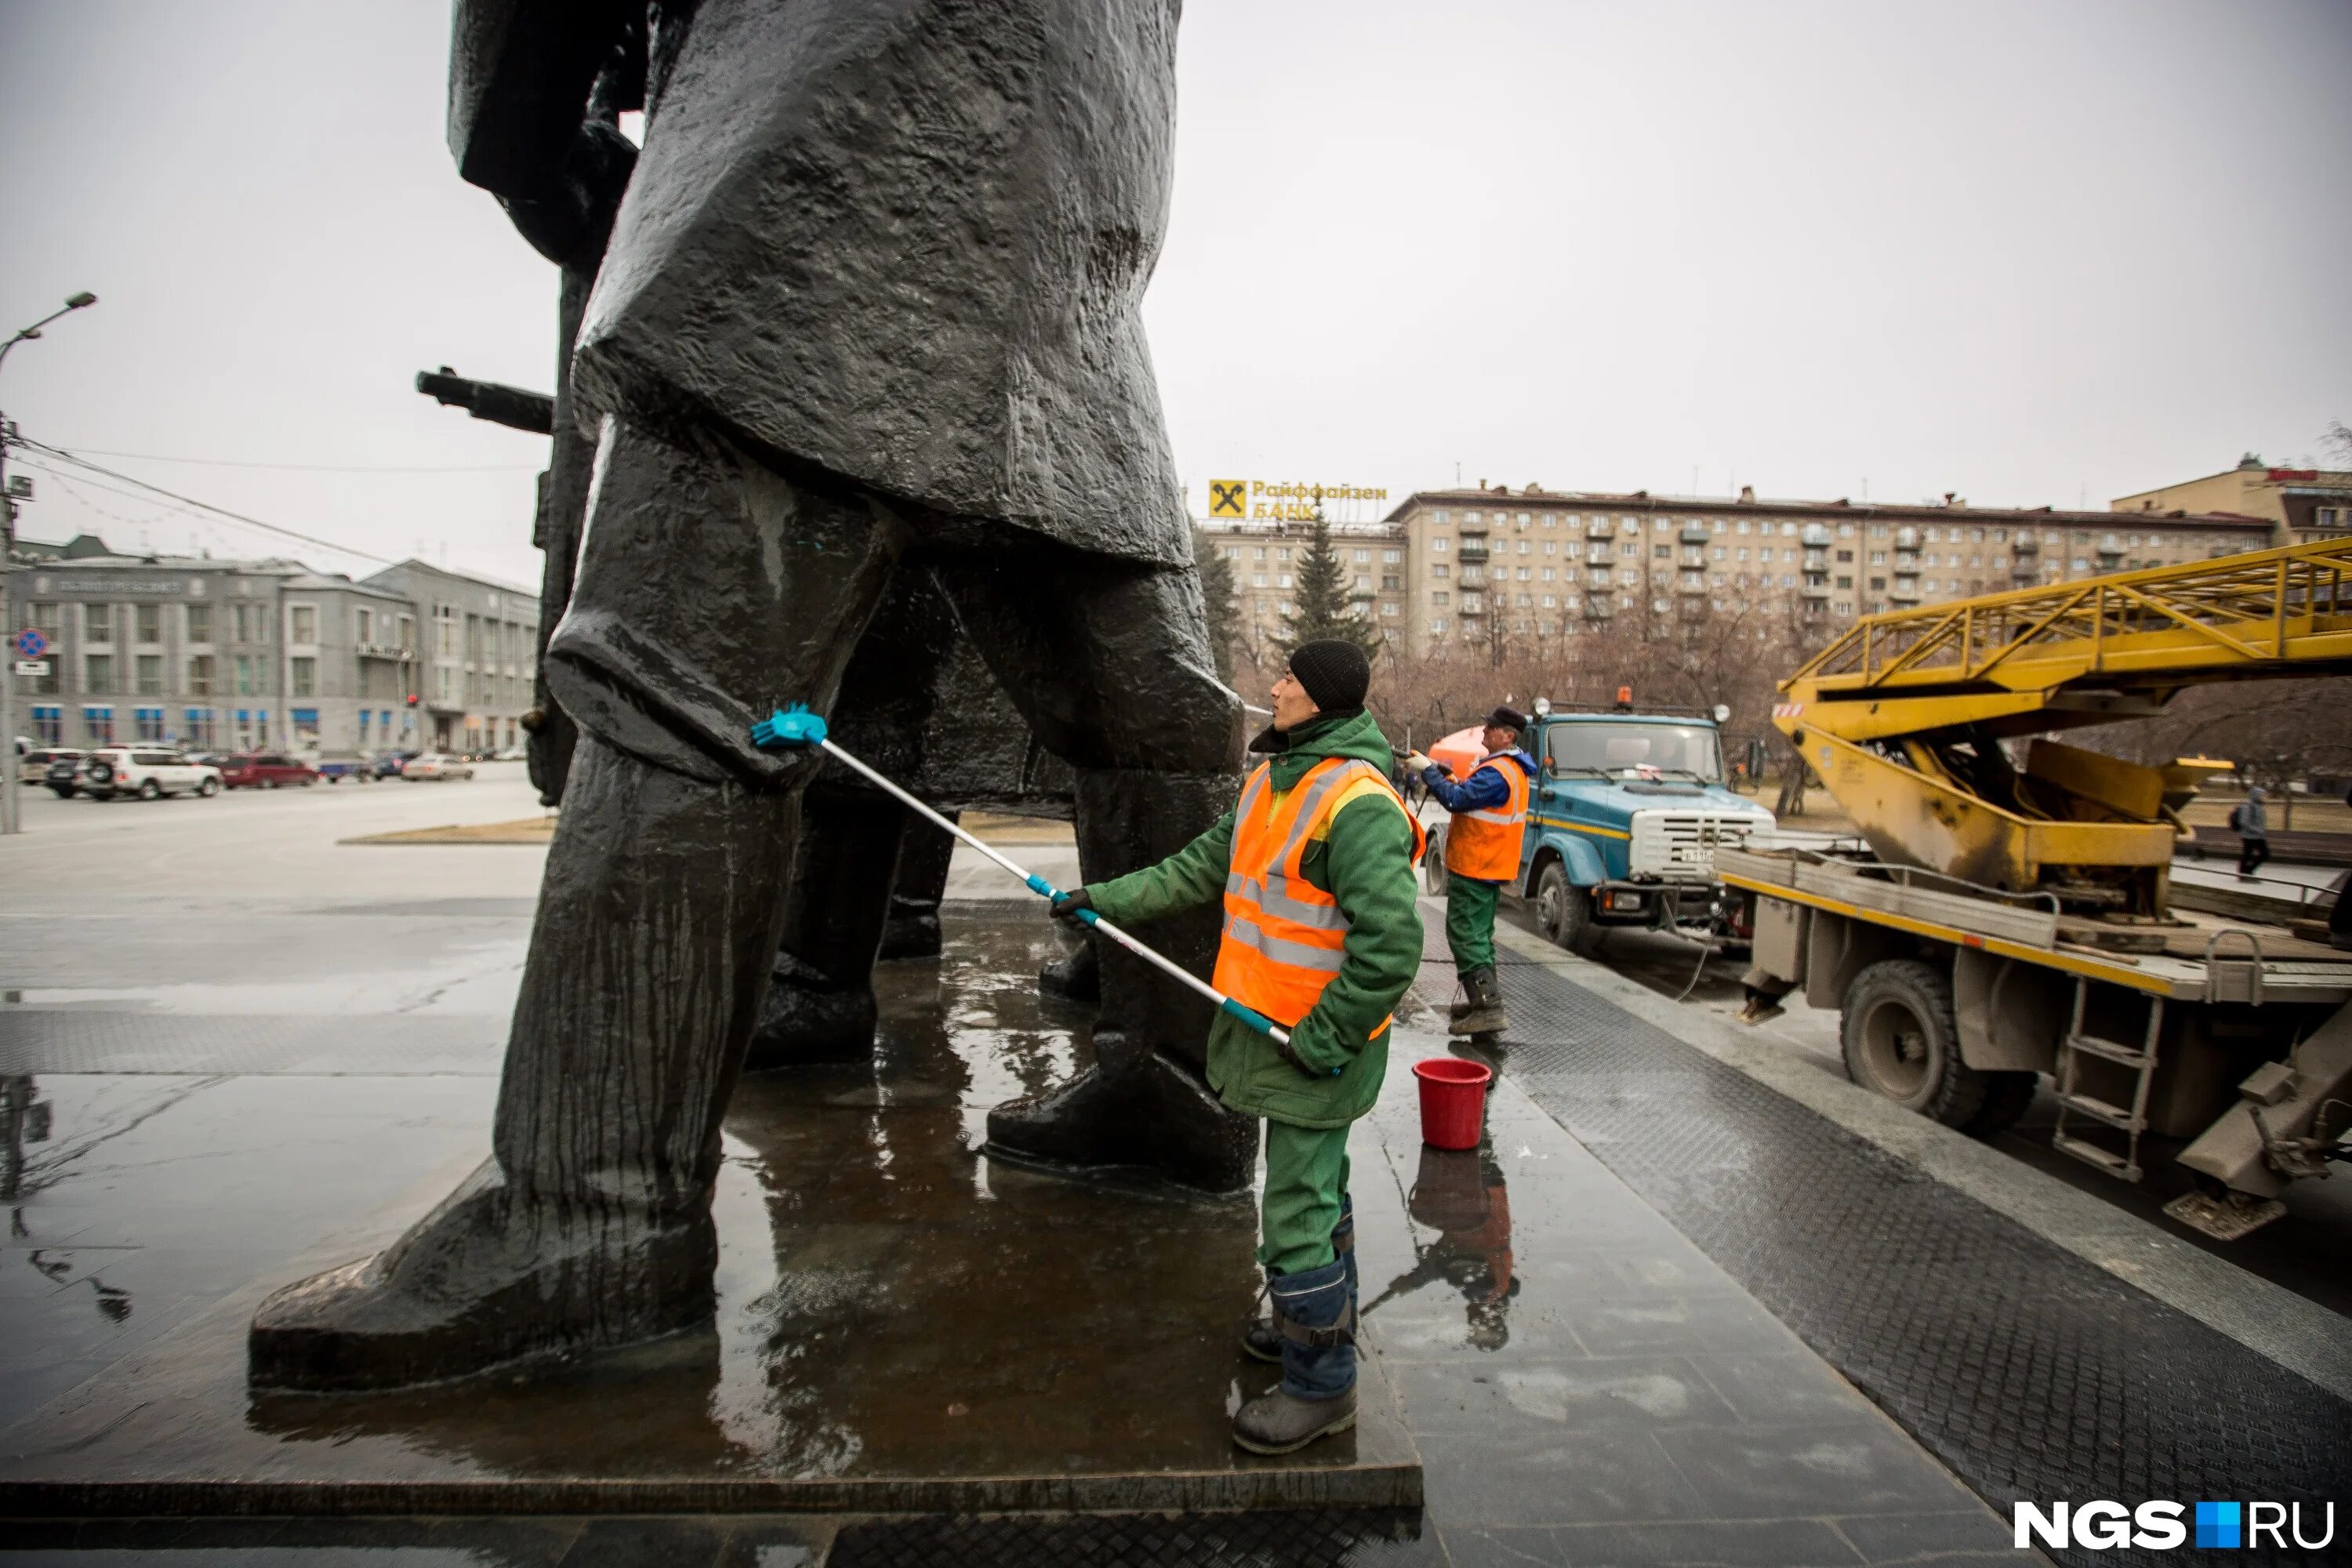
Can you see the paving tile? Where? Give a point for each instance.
(1437, 1323)
(1908, 1537)
(1548, 1396)
(1598, 1477)
(1468, 1548)
(1745, 1543)
(777, 1543)
(1770, 1387)
(1624, 1325)
(508, 1542)
(1824, 1468)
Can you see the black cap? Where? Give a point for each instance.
(1507, 719)
(1336, 674)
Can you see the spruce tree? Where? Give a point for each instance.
(1324, 611)
(1217, 593)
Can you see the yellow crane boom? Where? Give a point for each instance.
(1902, 715)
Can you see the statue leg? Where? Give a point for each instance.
(820, 1002)
(1109, 661)
(912, 930)
(707, 590)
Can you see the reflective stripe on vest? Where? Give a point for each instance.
(1484, 845)
(1285, 937)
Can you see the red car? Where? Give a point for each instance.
(265, 770)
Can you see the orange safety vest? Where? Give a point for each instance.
(1485, 844)
(1283, 934)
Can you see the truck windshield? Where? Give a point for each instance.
(1635, 751)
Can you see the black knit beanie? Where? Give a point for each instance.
(1335, 674)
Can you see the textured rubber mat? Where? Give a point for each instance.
(1275, 1539)
(2032, 1373)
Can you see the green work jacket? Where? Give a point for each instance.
(1365, 863)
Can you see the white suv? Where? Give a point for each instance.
(119, 770)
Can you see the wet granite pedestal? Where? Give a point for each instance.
(903, 1325)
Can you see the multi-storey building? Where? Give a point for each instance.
(1539, 564)
(476, 665)
(2300, 504)
(1265, 556)
(234, 655)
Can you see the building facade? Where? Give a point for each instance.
(2300, 504)
(1479, 563)
(1265, 556)
(243, 655)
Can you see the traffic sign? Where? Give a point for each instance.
(31, 644)
(32, 666)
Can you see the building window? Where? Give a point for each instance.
(306, 676)
(245, 683)
(1627, 547)
(1439, 544)
(150, 677)
(1363, 557)
(1439, 519)
(97, 623)
(200, 675)
(98, 724)
(199, 730)
(1438, 598)
(147, 621)
(1389, 608)
(150, 723)
(98, 673)
(1441, 570)
(200, 622)
(1391, 557)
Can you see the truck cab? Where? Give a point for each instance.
(1624, 819)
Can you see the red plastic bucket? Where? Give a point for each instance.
(1453, 1100)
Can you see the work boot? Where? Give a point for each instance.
(1262, 1340)
(1484, 1014)
(1317, 1396)
(1134, 1108)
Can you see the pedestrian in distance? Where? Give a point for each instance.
(1482, 856)
(2253, 834)
(1314, 864)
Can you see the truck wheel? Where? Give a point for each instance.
(151, 790)
(1899, 1040)
(1564, 911)
(1432, 863)
(2008, 1096)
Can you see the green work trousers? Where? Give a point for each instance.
(1305, 1177)
(1470, 921)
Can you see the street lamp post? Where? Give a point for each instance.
(11, 820)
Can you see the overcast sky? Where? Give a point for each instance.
(2031, 253)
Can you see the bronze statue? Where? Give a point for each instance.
(863, 340)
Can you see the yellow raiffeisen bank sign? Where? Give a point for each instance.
(1280, 500)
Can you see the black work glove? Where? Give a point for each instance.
(1066, 907)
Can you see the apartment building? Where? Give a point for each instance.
(1264, 555)
(1553, 563)
(2300, 504)
(239, 655)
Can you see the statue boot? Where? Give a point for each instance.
(590, 1225)
(1146, 1101)
(912, 930)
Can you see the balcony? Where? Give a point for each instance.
(1472, 552)
(1817, 535)
(2025, 544)
(1906, 539)
(1600, 528)
(1473, 522)
(2025, 571)
(1904, 593)
(1471, 606)
(1696, 532)
(1816, 587)
(1600, 608)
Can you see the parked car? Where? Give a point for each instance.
(388, 764)
(435, 765)
(112, 772)
(509, 755)
(266, 770)
(33, 767)
(336, 766)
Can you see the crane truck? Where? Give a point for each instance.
(2009, 913)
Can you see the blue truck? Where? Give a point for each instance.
(1623, 821)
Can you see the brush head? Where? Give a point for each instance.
(789, 728)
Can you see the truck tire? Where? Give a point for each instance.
(1564, 911)
(1898, 1038)
(1432, 863)
(2008, 1096)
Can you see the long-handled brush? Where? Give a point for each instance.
(796, 729)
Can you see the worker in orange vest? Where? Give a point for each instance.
(1322, 934)
(1482, 856)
